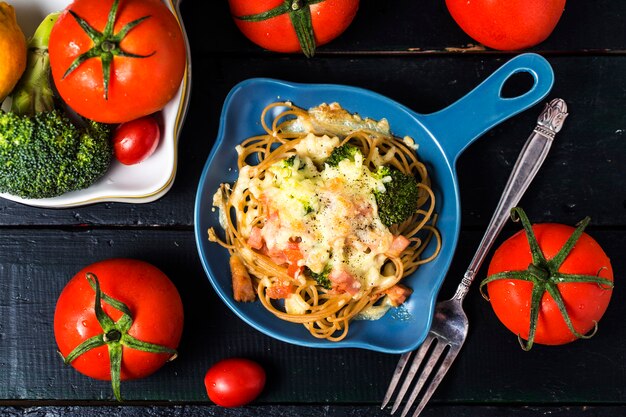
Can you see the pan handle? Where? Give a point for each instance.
(461, 123)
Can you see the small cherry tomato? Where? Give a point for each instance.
(234, 382)
(507, 24)
(136, 140)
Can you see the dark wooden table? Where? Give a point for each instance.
(413, 52)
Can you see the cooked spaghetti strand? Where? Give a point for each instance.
(288, 267)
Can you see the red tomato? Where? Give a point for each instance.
(585, 302)
(136, 140)
(294, 255)
(234, 382)
(507, 24)
(154, 305)
(327, 18)
(146, 65)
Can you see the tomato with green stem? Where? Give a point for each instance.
(117, 60)
(550, 283)
(293, 25)
(507, 24)
(118, 319)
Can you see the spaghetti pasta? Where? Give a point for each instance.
(310, 233)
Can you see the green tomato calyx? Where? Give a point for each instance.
(300, 15)
(115, 336)
(106, 44)
(545, 276)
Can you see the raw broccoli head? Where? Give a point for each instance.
(345, 151)
(47, 155)
(42, 152)
(399, 200)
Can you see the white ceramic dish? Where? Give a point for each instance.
(141, 183)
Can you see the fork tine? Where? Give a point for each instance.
(419, 357)
(426, 372)
(441, 372)
(404, 359)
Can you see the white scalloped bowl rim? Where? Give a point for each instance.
(140, 183)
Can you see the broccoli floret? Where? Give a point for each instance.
(399, 200)
(345, 151)
(47, 155)
(43, 153)
(289, 162)
(322, 277)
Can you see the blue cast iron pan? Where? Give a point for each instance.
(441, 136)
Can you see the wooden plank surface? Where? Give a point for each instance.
(413, 52)
(419, 27)
(309, 411)
(578, 178)
(36, 264)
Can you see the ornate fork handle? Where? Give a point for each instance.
(535, 150)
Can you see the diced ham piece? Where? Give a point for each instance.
(344, 281)
(280, 291)
(364, 209)
(278, 256)
(398, 245)
(398, 294)
(268, 235)
(256, 238)
(243, 289)
(271, 229)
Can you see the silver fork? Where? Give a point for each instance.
(449, 327)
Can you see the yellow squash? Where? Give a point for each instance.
(12, 50)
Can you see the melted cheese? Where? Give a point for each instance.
(294, 304)
(330, 211)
